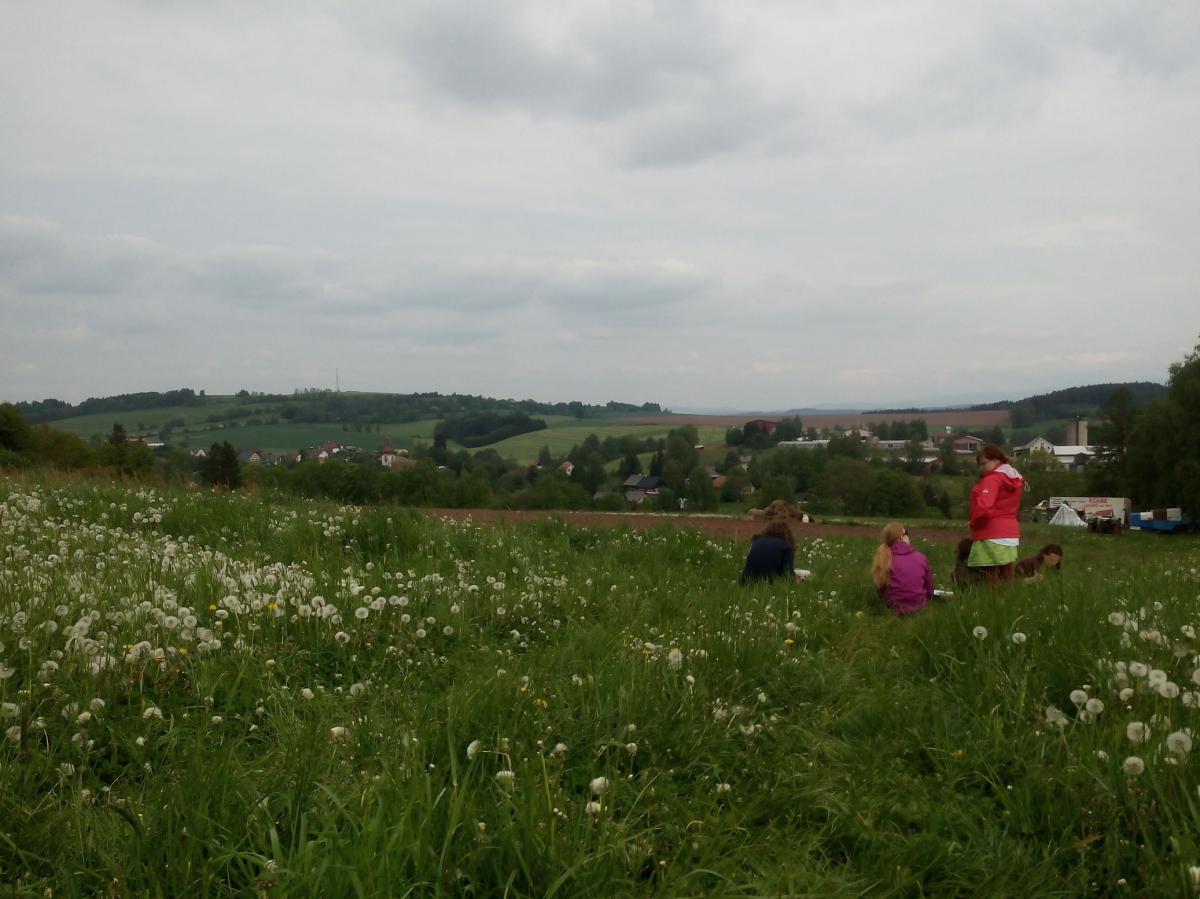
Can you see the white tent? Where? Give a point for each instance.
(1067, 517)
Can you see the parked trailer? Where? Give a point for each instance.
(1088, 507)
(1164, 521)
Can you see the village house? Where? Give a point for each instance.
(566, 467)
(249, 456)
(763, 425)
(1074, 456)
(393, 458)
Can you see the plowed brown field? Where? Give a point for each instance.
(712, 525)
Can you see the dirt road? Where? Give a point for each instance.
(714, 526)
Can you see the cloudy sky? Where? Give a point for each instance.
(753, 205)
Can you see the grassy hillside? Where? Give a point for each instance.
(233, 695)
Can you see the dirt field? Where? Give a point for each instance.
(714, 526)
(935, 420)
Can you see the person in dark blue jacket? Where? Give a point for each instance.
(772, 554)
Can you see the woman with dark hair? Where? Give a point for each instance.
(772, 554)
(1049, 556)
(995, 502)
(901, 574)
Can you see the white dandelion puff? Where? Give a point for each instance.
(1137, 732)
(1133, 766)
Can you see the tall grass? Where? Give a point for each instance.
(779, 740)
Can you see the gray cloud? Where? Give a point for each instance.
(596, 200)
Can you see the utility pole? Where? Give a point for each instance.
(337, 380)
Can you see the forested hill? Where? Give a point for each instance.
(326, 406)
(1072, 401)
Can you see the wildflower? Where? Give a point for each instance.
(1167, 690)
(9, 710)
(1140, 669)
(217, 719)
(1126, 694)
(593, 808)
(723, 787)
(1078, 697)
(980, 632)
(420, 634)
(1018, 638)
(473, 749)
(96, 704)
(361, 613)
(1095, 706)
(789, 642)
(675, 658)
(83, 718)
(306, 693)
(1133, 766)
(448, 630)
(560, 749)
(141, 741)
(152, 711)
(506, 779)
(454, 609)
(6, 672)
(342, 637)
(13, 733)
(1054, 716)
(631, 748)
(690, 680)
(337, 732)
(599, 785)
(762, 697)
(1137, 732)
(1179, 743)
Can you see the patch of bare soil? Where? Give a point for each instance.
(712, 525)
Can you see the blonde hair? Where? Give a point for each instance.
(881, 569)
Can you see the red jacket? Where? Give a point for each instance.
(995, 502)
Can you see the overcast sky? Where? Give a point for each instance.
(753, 205)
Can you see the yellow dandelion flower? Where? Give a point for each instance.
(789, 642)
(182, 650)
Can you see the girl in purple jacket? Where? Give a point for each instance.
(902, 576)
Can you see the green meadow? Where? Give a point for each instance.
(210, 694)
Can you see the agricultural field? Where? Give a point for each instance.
(561, 435)
(228, 694)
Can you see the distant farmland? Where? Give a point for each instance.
(935, 420)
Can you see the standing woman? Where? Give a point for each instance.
(995, 502)
(901, 574)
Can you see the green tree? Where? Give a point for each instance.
(895, 494)
(630, 465)
(951, 461)
(918, 429)
(1107, 474)
(1162, 458)
(699, 491)
(15, 434)
(220, 467)
(847, 484)
(61, 449)
(914, 457)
